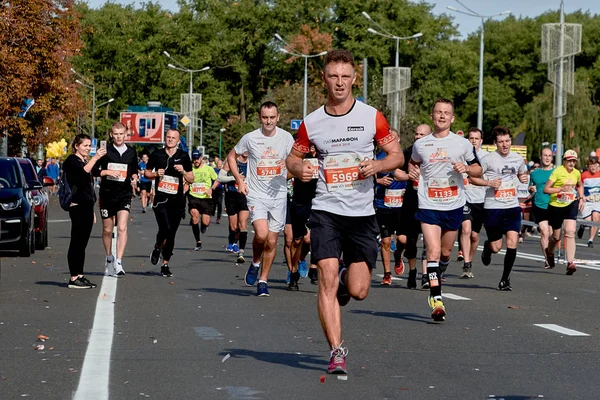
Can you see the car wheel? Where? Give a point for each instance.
(32, 242)
(25, 245)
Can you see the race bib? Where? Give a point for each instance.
(566, 197)
(341, 173)
(168, 184)
(267, 169)
(393, 198)
(315, 164)
(122, 168)
(506, 192)
(198, 189)
(444, 190)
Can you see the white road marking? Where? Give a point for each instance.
(95, 373)
(50, 221)
(561, 329)
(394, 278)
(454, 296)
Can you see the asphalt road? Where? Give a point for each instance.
(203, 334)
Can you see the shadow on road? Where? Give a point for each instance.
(51, 283)
(405, 316)
(289, 359)
(233, 292)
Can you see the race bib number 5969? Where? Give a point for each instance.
(342, 173)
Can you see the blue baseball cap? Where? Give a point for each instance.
(196, 154)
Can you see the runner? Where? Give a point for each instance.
(236, 206)
(411, 229)
(473, 212)
(502, 172)
(538, 179)
(200, 202)
(439, 160)
(564, 186)
(218, 193)
(389, 196)
(118, 171)
(266, 190)
(525, 197)
(171, 165)
(342, 219)
(145, 183)
(591, 190)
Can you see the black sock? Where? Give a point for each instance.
(444, 265)
(203, 228)
(412, 274)
(509, 261)
(433, 273)
(231, 236)
(196, 232)
(243, 239)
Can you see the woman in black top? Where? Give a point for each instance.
(77, 170)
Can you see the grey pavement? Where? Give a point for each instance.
(203, 334)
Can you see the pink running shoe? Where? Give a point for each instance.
(337, 364)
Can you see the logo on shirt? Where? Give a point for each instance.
(440, 155)
(269, 152)
(356, 129)
(341, 140)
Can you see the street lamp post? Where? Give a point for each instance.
(389, 35)
(294, 52)
(483, 18)
(180, 67)
(221, 141)
(88, 84)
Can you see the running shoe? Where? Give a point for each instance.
(198, 246)
(165, 271)
(466, 271)
(218, 221)
(313, 275)
(343, 296)
(119, 269)
(229, 248)
(303, 268)
(240, 258)
(252, 274)
(155, 256)
(438, 311)
(144, 210)
(79, 283)
(424, 282)
(293, 283)
(109, 269)
(460, 256)
(337, 363)
(486, 254)
(203, 228)
(86, 280)
(580, 231)
(235, 249)
(504, 285)
(262, 290)
(590, 244)
(571, 268)
(387, 279)
(411, 283)
(550, 259)
(399, 268)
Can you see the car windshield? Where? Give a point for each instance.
(29, 172)
(9, 175)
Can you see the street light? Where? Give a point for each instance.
(180, 67)
(389, 35)
(221, 140)
(294, 52)
(88, 84)
(472, 13)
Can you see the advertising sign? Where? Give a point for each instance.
(144, 127)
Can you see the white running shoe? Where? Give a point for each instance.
(109, 269)
(119, 269)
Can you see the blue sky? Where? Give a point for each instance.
(526, 8)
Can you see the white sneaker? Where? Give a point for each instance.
(109, 269)
(119, 269)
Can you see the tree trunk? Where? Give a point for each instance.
(242, 105)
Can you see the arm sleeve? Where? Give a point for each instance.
(383, 135)
(302, 144)
(242, 145)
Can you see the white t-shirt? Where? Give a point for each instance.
(443, 187)
(342, 142)
(267, 176)
(475, 194)
(494, 166)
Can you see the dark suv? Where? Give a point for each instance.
(40, 201)
(16, 208)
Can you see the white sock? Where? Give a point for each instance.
(255, 264)
(118, 260)
(110, 258)
(261, 281)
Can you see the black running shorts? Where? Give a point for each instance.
(474, 213)
(110, 206)
(204, 206)
(235, 202)
(389, 221)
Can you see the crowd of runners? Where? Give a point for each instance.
(342, 191)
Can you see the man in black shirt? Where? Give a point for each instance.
(118, 168)
(171, 166)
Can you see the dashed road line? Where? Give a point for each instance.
(394, 278)
(561, 329)
(454, 296)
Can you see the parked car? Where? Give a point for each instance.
(17, 213)
(40, 201)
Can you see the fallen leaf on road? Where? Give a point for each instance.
(104, 296)
(51, 348)
(322, 378)
(39, 347)
(514, 307)
(171, 283)
(33, 262)
(42, 338)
